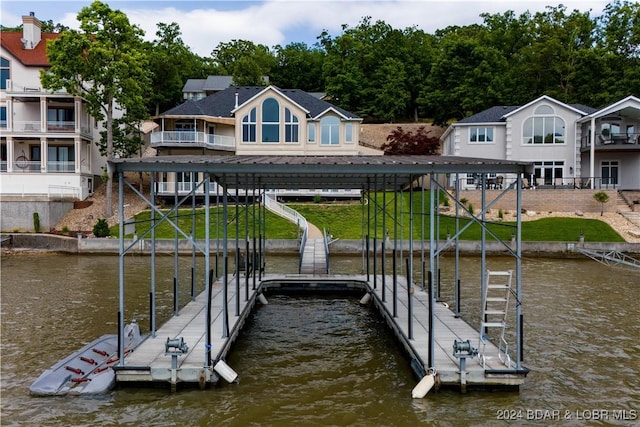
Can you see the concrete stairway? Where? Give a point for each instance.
(623, 208)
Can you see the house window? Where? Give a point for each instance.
(543, 127)
(329, 130)
(548, 172)
(270, 120)
(184, 126)
(291, 127)
(5, 72)
(60, 158)
(481, 134)
(184, 181)
(311, 132)
(3, 157)
(610, 170)
(609, 130)
(60, 119)
(348, 132)
(249, 127)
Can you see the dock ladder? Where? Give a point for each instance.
(495, 304)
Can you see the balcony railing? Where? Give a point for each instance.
(60, 126)
(22, 126)
(27, 166)
(65, 166)
(189, 138)
(614, 140)
(15, 88)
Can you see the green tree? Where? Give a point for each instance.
(171, 63)
(247, 62)
(105, 63)
(602, 198)
(463, 65)
(298, 66)
(617, 52)
(553, 57)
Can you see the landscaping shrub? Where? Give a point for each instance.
(101, 229)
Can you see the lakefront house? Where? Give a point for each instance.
(48, 155)
(252, 120)
(570, 146)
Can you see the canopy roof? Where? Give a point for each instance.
(319, 172)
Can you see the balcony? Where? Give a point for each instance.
(614, 141)
(189, 139)
(27, 166)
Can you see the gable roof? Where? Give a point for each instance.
(577, 108)
(499, 113)
(491, 115)
(223, 103)
(629, 106)
(36, 57)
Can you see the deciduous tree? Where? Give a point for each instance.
(400, 141)
(105, 63)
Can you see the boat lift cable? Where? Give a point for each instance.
(610, 258)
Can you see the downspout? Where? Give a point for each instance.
(592, 152)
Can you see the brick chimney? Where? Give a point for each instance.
(31, 31)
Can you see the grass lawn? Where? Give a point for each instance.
(345, 221)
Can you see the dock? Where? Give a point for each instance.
(150, 363)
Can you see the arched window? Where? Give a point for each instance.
(249, 127)
(291, 126)
(270, 120)
(544, 127)
(329, 130)
(5, 72)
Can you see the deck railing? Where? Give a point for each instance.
(622, 140)
(193, 138)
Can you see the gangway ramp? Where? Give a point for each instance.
(610, 258)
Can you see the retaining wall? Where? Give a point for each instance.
(47, 242)
(546, 200)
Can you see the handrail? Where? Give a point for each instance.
(287, 213)
(326, 238)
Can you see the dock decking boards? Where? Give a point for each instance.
(148, 363)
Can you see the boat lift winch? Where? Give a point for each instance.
(462, 350)
(174, 348)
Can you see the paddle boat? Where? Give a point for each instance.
(89, 369)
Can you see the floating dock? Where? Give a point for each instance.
(152, 364)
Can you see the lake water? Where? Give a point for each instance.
(322, 361)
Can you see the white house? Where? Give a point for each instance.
(47, 149)
(557, 138)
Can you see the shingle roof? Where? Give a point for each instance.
(490, 115)
(36, 57)
(496, 114)
(222, 103)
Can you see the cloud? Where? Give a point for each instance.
(205, 24)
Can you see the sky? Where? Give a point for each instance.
(205, 24)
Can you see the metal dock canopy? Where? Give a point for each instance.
(369, 174)
(320, 171)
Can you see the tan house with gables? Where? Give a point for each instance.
(249, 120)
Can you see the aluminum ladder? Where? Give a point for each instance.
(495, 305)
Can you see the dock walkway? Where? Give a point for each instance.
(149, 363)
(447, 329)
